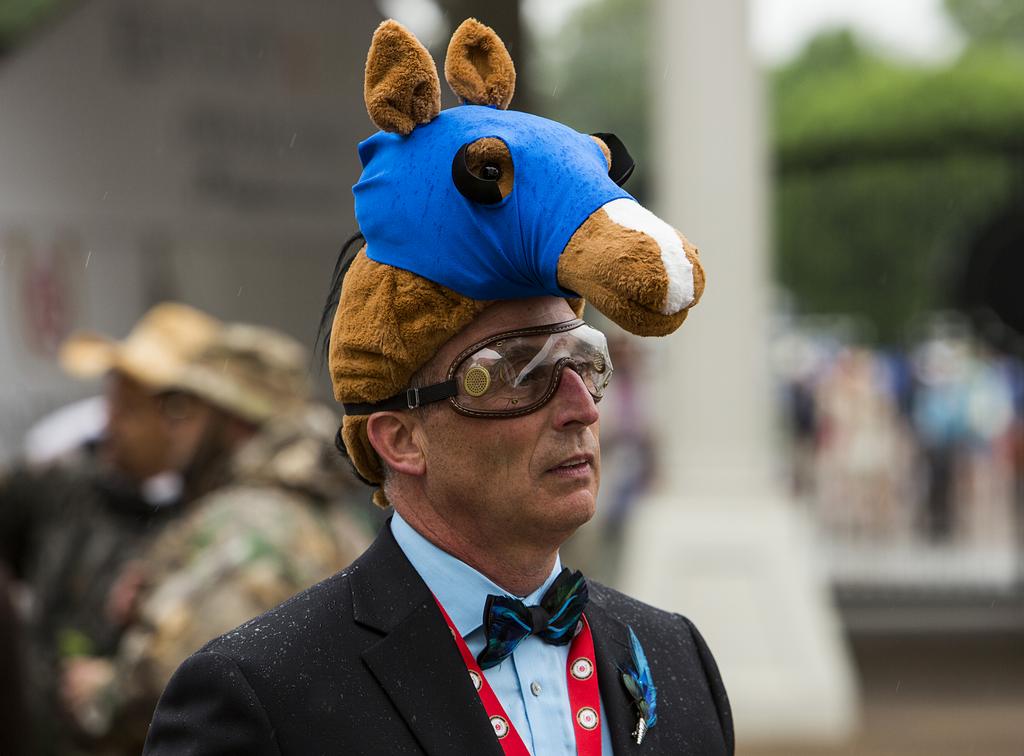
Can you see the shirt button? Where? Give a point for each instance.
(535, 688)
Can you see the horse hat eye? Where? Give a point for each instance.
(480, 186)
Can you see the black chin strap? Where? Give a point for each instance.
(411, 398)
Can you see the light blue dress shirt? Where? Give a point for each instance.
(531, 683)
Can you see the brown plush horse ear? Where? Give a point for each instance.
(401, 88)
(478, 67)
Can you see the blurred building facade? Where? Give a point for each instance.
(159, 149)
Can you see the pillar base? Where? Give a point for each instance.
(744, 571)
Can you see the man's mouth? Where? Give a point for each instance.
(579, 464)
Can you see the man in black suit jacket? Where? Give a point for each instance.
(477, 418)
(362, 663)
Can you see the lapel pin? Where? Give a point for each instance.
(640, 685)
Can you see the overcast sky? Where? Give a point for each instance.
(915, 29)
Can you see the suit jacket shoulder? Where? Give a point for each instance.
(356, 664)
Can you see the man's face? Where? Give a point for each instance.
(186, 420)
(136, 438)
(533, 477)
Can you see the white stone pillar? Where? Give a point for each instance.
(720, 541)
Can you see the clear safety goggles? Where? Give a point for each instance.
(513, 373)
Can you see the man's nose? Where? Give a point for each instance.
(573, 402)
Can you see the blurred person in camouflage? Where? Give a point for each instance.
(263, 484)
(67, 526)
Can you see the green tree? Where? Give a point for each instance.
(20, 17)
(831, 50)
(885, 171)
(988, 22)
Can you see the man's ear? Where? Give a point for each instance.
(395, 438)
(401, 87)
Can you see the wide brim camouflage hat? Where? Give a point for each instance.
(249, 371)
(155, 352)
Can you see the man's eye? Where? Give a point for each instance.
(512, 369)
(529, 378)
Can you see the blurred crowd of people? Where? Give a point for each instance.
(201, 489)
(924, 445)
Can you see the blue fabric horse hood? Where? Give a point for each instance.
(413, 216)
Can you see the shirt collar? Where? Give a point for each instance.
(461, 590)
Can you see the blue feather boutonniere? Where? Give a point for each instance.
(638, 681)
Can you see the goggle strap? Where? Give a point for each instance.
(411, 398)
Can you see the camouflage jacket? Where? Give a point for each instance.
(284, 522)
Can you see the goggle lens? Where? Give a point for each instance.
(516, 373)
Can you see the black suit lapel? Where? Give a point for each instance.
(610, 647)
(417, 662)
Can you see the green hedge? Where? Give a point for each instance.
(874, 110)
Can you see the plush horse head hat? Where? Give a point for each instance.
(478, 203)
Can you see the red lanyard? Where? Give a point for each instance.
(584, 695)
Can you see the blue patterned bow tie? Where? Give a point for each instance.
(508, 621)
